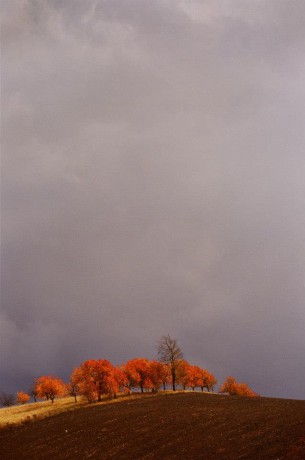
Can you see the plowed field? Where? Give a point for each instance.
(165, 426)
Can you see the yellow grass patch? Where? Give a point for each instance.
(38, 410)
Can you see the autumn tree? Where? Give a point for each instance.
(183, 373)
(170, 354)
(22, 397)
(206, 380)
(165, 375)
(48, 386)
(244, 390)
(211, 382)
(95, 378)
(121, 379)
(73, 387)
(232, 387)
(138, 373)
(130, 377)
(158, 375)
(229, 386)
(194, 374)
(126, 377)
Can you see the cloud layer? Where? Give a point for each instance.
(153, 182)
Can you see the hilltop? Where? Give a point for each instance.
(165, 426)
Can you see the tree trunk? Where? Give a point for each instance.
(99, 395)
(174, 380)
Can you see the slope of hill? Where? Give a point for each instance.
(166, 426)
(19, 414)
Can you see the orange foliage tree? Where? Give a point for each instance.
(206, 380)
(194, 374)
(165, 375)
(229, 386)
(158, 375)
(234, 388)
(49, 387)
(183, 371)
(73, 387)
(81, 384)
(244, 390)
(95, 378)
(121, 379)
(22, 397)
(129, 377)
(138, 373)
(211, 382)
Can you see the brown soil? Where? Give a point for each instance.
(166, 426)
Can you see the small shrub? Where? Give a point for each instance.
(22, 397)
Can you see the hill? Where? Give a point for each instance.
(165, 426)
(16, 415)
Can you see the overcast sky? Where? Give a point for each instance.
(153, 182)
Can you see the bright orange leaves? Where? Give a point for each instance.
(195, 377)
(137, 372)
(49, 387)
(234, 388)
(95, 378)
(22, 397)
(144, 374)
(159, 375)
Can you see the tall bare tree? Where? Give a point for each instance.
(170, 354)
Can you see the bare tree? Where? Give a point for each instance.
(33, 392)
(7, 399)
(170, 354)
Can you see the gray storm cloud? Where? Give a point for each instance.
(153, 181)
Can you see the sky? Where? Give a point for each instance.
(153, 182)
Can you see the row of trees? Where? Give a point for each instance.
(95, 378)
